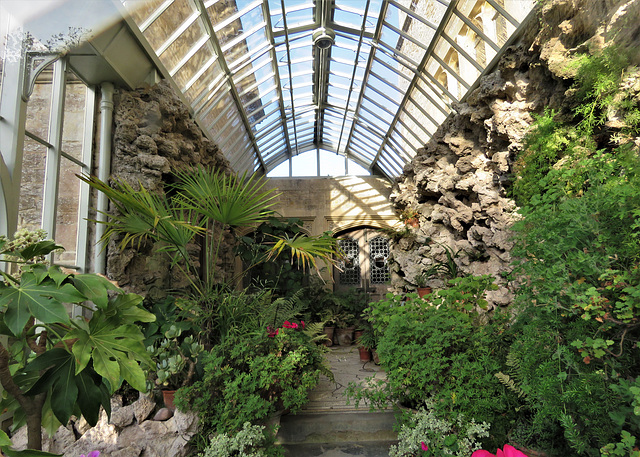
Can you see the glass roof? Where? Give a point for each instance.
(374, 87)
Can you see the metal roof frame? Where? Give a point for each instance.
(372, 97)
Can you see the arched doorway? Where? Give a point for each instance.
(366, 265)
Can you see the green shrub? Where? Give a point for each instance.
(248, 378)
(441, 348)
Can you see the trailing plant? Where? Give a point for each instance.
(426, 430)
(250, 441)
(57, 366)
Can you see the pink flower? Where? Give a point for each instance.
(302, 323)
(92, 454)
(506, 451)
(424, 446)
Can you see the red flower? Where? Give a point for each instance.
(424, 446)
(506, 451)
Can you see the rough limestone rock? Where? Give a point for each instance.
(459, 180)
(154, 135)
(123, 435)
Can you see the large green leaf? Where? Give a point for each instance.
(112, 348)
(94, 287)
(44, 301)
(4, 439)
(59, 379)
(90, 396)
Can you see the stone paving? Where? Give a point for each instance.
(346, 367)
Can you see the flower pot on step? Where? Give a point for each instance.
(365, 354)
(329, 331)
(168, 397)
(422, 291)
(344, 336)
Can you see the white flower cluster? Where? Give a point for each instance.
(248, 442)
(441, 435)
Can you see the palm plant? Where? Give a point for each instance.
(205, 202)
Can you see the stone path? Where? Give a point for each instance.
(327, 426)
(346, 367)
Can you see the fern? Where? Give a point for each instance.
(572, 434)
(510, 384)
(282, 309)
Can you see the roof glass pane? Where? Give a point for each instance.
(168, 22)
(401, 95)
(141, 11)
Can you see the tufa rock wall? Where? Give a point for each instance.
(153, 135)
(459, 181)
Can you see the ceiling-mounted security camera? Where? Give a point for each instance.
(324, 38)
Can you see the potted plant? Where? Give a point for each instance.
(410, 217)
(175, 359)
(366, 344)
(345, 328)
(421, 282)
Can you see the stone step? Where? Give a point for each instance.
(337, 433)
(361, 449)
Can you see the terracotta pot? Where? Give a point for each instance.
(168, 397)
(422, 291)
(329, 331)
(345, 336)
(365, 355)
(413, 222)
(357, 334)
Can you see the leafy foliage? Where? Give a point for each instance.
(574, 341)
(250, 377)
(437, 347)
(56, 364)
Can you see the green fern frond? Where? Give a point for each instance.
(507, 381)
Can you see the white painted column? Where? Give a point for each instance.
(104, 171)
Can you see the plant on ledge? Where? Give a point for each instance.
(250, 377)
(57, 366)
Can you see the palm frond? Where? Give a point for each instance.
(304, 250)
(227, 199)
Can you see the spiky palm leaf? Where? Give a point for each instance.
(227, 199)
(305, 249)
(143, 216)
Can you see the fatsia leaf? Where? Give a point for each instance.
(94, 287)
(40, 248)
(59, 377)
(111, 347)
(57, 275)
(4, 439)
(90, 395)
(43, 301)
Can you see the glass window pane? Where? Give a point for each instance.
(32, 185)
(67, 211)
(39, 105)
(305, 164)
(74, 116)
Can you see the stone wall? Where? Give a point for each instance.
(153, 135)
(459, 181)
